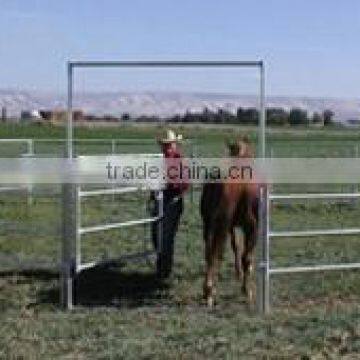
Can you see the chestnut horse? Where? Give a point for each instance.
(224, 206)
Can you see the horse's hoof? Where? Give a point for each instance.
(210, 302)
(250, 296)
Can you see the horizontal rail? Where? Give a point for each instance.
(314, 196)
(132, 140)
(165, 63)
(298, 269)
(14, 188)
(110, 262)
(97, 228)
(148, 155)
(102, 140)
(310, 233)
(123, 190)
(16, 140)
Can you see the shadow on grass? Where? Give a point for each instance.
(25, 275)
(104, 286)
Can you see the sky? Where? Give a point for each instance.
(310, 48)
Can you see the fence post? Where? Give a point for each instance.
(30, 147)
(113, 146)
(30, 153)
(356, 155)
(262, 267)
(192, 185)
(70, 255)
(77, 224)
(113, 151)
(160, 214)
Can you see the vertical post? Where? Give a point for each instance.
(70, 255)
(267, 250)
(30, 147)
(192, 186)
(262, 127)
(356, 155)
(30, 198)
(30, 153)
(3, 114)
(69, 215)
(77, 225)
(263, 254)
(69, 127)
(113, 149)
(160, 215)
(113, 146)
(263, 280)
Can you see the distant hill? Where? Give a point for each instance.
(163, 104)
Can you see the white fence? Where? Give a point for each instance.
(79, 266)
(264, 269)
(73, 230)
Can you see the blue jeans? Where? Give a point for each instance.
(173, 209)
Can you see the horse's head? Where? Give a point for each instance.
(241, 147)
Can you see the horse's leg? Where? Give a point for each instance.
(235, 244)
(250, 230)
(209, 291)
(213, 253)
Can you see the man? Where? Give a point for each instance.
(173, 202)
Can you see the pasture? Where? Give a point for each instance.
(124, 312)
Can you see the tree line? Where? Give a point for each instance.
(245, 116)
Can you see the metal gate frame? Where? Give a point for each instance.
(71, 264)
(266, 234)
(72, 65)
(79, 266)
(71, 224)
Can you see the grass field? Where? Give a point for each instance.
(124, 312)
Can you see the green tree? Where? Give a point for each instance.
(226, 117)
(277, 116)
(298, 116)
(317, 118)
(328, 116)
(125, 117)
(249, 116)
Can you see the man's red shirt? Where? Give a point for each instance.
(178, 183)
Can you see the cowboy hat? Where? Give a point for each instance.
(171, 137)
